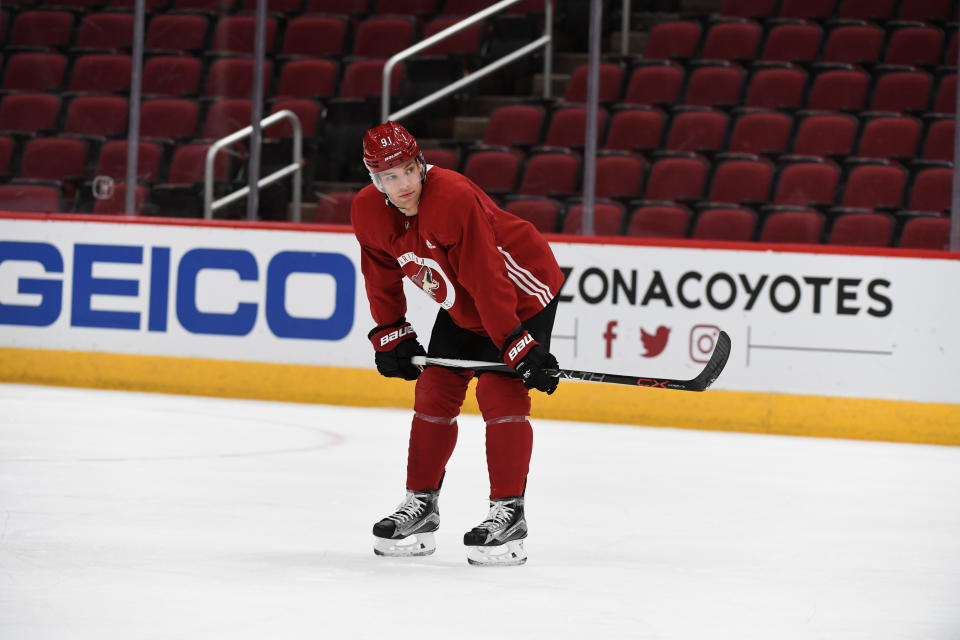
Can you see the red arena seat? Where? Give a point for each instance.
(669, 40)
(875, 185)
(494, 170)
(315, 35)
(791, 42)
(741, 180)
(733, 40)
(866, 9)
(932, 190)
(725, 224)
(334, 207)
(926, 233)
(854, 44)
(862, 230)
(654, 84)
(539, 211)
(607, 218)
(902, 91)
(34, 72)
(610, 80)
(26, 197)
(29, 112)
(664, 220)
(635, 129)
(514, 125)
(618, 174)
(822, 134)
(804, 227)
(172, 76)
(802, 183)
(838, 90)
(714, 85)
(760, 132)
(698, 130)
(180, 33)
(676, 176)
(550, 173)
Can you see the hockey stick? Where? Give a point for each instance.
(718, 359)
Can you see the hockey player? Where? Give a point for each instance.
(495, 279)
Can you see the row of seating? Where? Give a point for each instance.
(771, 85)
(187, 76)
(850, 41)
(358, 8)
(901, 89)
(671, 220)
(731, 178)
(678, 176)
(820, 135)
(855, 9)
(308, 35)
(27, 114)
(761, 131)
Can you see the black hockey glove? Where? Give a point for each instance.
(530, 360)
(395, 344)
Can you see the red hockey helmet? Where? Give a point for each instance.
(388, 145)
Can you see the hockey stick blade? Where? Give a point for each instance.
(710, 372)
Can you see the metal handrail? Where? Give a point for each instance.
(295, 167)
(545, 41)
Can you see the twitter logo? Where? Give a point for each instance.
(654, 343)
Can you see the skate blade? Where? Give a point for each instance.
(419, 544)
(510, 554)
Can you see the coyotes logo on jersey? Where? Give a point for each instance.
(424, 279)
(427, 274)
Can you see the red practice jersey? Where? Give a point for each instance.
(486, 267)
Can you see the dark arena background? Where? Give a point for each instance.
(195, 442)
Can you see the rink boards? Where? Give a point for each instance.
(854, 344)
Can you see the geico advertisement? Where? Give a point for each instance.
(858, 326)
(235, 294)
(841, 325)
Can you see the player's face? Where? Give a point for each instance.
(403, 186)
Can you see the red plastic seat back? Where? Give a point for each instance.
(871, 186)
(97, 116)
(862, 230)
(607, 219)
(805, 227)
(926, 233)
(542, 213)
(659, 221)
(725, 224)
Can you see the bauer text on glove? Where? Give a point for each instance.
(395, 344)
(530, 360)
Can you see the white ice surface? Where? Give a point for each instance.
(129, 516)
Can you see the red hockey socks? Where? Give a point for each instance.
(505, 405)
(433, 434)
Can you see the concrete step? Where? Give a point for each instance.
(566, 61)
(484, 105)
(646, 20)
(558, 84)
(307, 211)
(700, 6)
(469, 127)
(636, 42)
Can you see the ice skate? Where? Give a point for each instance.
(409, 530)
(498, 540)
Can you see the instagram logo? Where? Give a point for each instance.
(703, 337)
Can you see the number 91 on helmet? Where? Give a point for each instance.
(389, 145)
